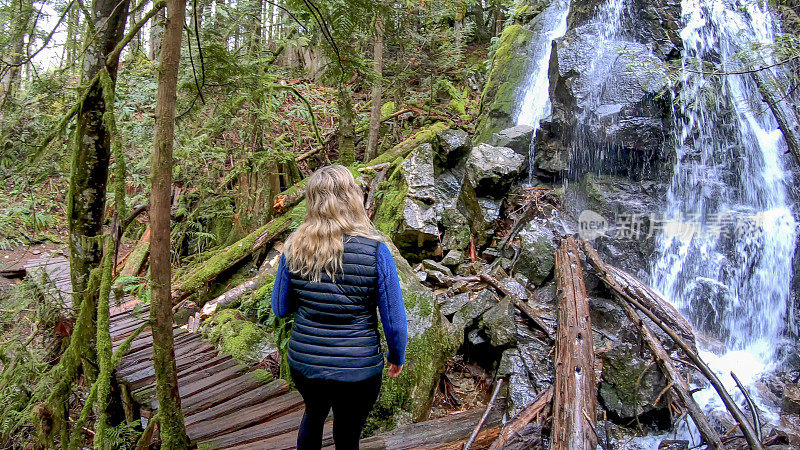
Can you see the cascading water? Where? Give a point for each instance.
(535, 103)
(724, 255)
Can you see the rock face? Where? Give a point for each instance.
(630, 384)
(537, 252)
(516, 138)
(490, 171)
(421, 192)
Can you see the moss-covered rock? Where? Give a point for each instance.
(630, 385)
(509, 69)
(431, 342)
(246, 341)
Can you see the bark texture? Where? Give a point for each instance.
(575, 391)
(173, 432)
(377, 93)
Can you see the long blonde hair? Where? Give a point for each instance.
(334, 208)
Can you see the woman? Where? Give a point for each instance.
(334, 274)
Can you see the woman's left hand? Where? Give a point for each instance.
(394, 370)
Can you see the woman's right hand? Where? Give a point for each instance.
(394, 370)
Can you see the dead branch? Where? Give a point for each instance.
(522, 306)
(485, 415)
(750, 404)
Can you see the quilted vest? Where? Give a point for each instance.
(335, 333)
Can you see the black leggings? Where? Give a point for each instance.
(351, 403)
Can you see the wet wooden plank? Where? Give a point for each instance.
(275, 427)
(223, 392)
(286, 441)
(245, 417)
(144, 375)
(259, 394)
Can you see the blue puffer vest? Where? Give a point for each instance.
(335, 333)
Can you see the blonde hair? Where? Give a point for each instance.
(334, 209)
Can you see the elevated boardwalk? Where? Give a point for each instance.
(224, 405)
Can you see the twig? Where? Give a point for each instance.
(485, 415)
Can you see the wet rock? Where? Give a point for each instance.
(437, 272)
(446, 189)
(498, 324)
(672, 444)
(537, 252)
(530, 436)
(516, 288)
(453, 258)
(453, 145)
(456, 230)
(630, 384)
(470, 268)
(790, 403)
(520, 389)
(711, 299)
(517, 138)
(481, 214)
(491, 170)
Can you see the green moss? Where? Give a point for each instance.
(509, 69)
(236, 336)
(297, 215)
(393, 192)
(411, 393)
(401, 150)
(387, 108)
(262, 375)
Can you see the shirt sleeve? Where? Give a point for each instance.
(280, 290)
(391, 307)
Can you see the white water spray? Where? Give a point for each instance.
(730, 274)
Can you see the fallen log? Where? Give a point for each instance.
(137, 258)
(621, 282)
(604, 270)
(244, 288)
(675, 380)
(227, 258)
(575, 389)
(523, 418)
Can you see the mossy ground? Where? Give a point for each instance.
(237, 336)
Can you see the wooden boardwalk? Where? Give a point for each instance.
(224, 405)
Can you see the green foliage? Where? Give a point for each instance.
(242, 339)
(257, 304)
(123, 436)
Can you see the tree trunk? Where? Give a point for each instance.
(347, 151)
(156, 33)
(19, 31)
(173, 432)
(377, 91)
(575, 396)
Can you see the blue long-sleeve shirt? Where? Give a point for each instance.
(390, 302)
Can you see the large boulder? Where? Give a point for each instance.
(630, 384)
(516, 138)
(431, 343)
(537, 252)
(491, 170)
(406, 210)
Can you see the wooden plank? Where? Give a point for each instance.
(261, 431)
(137, 378)
(226, 391)
(287, 440)
(259, 393)
(245, 417)
(195, 347)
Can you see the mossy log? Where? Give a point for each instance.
(575, 388)
(137, 258)
(227, 258)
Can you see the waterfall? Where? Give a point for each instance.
(535, 104)
(724, 255)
